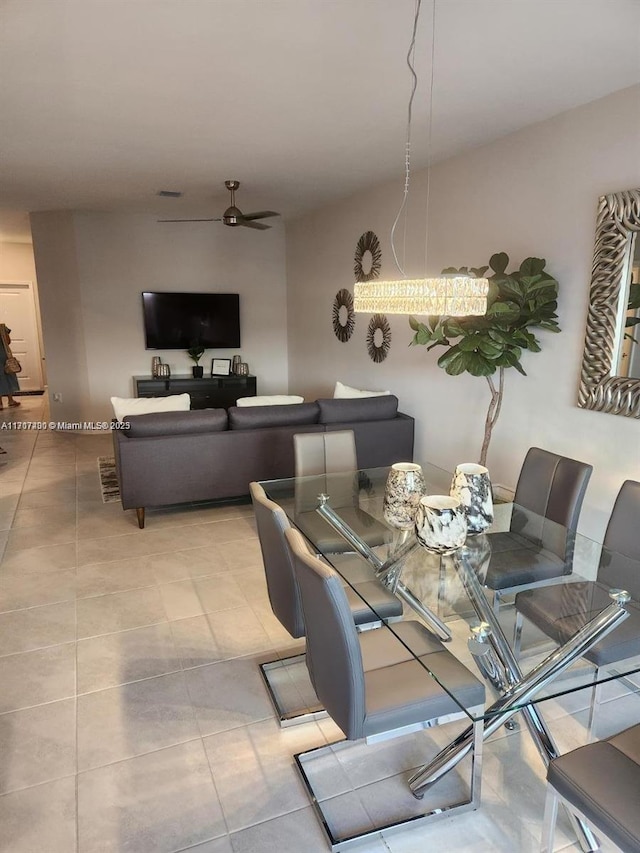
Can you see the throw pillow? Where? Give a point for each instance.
(273, 400)
(145, 405)
(346, 391)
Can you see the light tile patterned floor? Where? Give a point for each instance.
(132, 714)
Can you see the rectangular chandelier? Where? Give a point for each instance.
(447, 296)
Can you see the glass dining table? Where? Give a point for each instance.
(342, 517)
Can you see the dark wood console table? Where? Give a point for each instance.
(210, 392)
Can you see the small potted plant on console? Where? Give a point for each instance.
(195, 353)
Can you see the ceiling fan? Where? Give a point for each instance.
(233, 216)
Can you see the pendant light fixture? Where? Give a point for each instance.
(448, 295)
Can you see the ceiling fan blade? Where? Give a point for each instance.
(189, 220)
(260, 214)
(256, 225)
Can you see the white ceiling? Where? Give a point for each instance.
(104, 102)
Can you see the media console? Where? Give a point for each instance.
(210, 392)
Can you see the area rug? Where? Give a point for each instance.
(108, 479)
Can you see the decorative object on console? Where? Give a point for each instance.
(343, 392)
(343, 317)
(367, 255)
(378, 338)
(235, 361)
(163, 370)
(518, 302)
(123, 406)
(270, 400)
(156, 361)
(472, 487)
(221, 366)
(195, 353)
(243, 369)
(405, 486)
(457, 296)
(441, 525)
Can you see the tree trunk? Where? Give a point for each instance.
(493, 413)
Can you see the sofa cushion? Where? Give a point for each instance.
(344, 392)
(255, 417)
(123, 406)
(270, 400)
(358, 409)
(176, 423)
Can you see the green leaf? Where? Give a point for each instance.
(489, 348)
(455, 365)
(415, 325)
(422, 336)
(479, 271)
(632, 321)
(447, 357)
(479, 366)
(510, 288)
(499, 262)
(532, 266)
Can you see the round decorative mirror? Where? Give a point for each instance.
(366, 263)
(378, 338)
(343, 315)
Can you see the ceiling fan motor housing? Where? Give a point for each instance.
(232, 216)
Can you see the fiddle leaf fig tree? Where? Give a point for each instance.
(517, 303)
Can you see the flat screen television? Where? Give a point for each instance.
(183, 320)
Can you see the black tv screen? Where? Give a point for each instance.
(183, 320)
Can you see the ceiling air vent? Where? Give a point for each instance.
(169, 193)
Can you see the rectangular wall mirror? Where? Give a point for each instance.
(610, 375)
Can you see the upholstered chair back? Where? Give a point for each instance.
(620, 558)
(333, 651)
(552, 487)
(282, 587)
(329, 458)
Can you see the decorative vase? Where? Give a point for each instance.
(198, 371)
(156, 361)
(441, 525)
(405, 486)
(472, 487)
(235, 363)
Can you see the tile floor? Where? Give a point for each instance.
(132, 714)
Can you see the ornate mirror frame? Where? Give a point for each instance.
(618, 219)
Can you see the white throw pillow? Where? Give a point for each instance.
(144, 405)
(274, 400)
(344, 391)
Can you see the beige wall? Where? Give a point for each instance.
(63, 334)
(531, 193)
(93, 275)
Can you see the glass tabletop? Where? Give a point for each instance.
(452, 593)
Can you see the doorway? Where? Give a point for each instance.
(18, 311)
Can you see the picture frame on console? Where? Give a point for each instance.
(220, 366)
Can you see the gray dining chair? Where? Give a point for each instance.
(538, 548)
(284, 595)
(560, 611)
(599, 783)
(380, 683)
(326, 462)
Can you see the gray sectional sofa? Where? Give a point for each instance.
(179, 457)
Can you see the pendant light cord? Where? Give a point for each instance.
(407, 156)
(430, 125)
